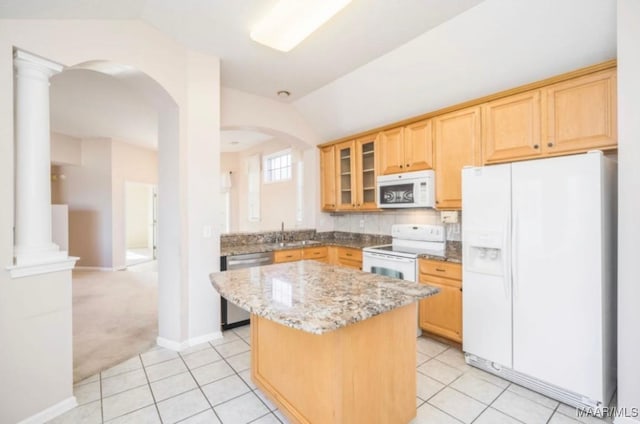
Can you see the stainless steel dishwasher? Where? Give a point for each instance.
(231, 315)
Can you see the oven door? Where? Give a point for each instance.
(389, 265)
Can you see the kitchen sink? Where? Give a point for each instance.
(298, 243)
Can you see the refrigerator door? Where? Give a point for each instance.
(557, 272)
(486, 283)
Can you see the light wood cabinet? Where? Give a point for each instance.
(581, 114)
(348, 256)
(356, 175)
(511, 128)
(406, 149)
(346, 175)
(328, 173)
(288, 255)
(456, 145)
(441, 314)
(319, 253)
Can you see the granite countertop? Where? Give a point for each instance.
(272, 247)
(315, 297)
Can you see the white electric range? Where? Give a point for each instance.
(400, 258)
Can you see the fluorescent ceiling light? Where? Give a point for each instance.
(291, 21)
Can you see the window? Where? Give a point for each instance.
(277, 167)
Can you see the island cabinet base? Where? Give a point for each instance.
(361, 373)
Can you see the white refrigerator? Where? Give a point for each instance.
(539, 279)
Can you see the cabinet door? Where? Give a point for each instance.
(317, 253)
(392, 151)
(346, 181)
(366, 168)
(418, 146)
(581, 114)
(511, 128)
(328, 173)
(290, 255)
(456, 145)
(441, 314)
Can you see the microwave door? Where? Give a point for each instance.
(396, 195)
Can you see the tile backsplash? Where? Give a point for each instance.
(381, 222)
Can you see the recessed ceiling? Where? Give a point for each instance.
(361, 32)
(238, 140)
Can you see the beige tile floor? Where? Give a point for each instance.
(210, 383)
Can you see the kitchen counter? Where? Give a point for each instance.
(330, 344)
(315, 297)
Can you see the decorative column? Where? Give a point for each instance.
(33, 243)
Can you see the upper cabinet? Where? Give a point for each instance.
(328, 178)
(406, 149)
(354, 176)
(572, 116)
(511, 127)
(570, 113)
(581, 114)
(456, 145)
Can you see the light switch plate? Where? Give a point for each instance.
(449, 217)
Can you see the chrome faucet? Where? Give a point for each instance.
(282, 232)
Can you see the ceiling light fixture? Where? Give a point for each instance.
(291, 21)
(283, 94)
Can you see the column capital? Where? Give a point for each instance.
(28, 64)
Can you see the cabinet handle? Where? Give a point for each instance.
(440, 270)
(289, 256)
(348, 254)
(353, 205)
(408, 165)
(400, 166)
(535, 146)
(437, 201)
(550, 144)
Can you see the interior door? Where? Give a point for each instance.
(486, 283)
(557, 272)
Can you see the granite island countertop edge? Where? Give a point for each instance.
(332, 298)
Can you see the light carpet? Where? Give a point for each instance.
(115, 316)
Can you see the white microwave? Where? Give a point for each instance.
(408, 190)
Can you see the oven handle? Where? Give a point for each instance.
(388, 257)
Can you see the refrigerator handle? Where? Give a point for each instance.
(506, 258)
(514, 253)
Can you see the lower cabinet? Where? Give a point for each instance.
(350, 257)
(318, 253)
(442, 314)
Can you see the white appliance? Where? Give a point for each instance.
(539, 240)
(408, 190)
(399, 259)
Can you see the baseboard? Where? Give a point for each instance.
(178, 346)
(172, 345)
(206, 338)
(52, 412)
(92, 268)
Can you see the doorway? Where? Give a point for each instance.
(140, 223)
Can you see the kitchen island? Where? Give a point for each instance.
(330, 344)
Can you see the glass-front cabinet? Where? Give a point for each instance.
(345, 161)
(366, 154)
(356, 174)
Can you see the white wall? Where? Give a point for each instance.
(129, 163)
(278, 200)
(65, 150)
(86, 189)
(35, 327)
(138, 204)
(628, 206)
(496, 45)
